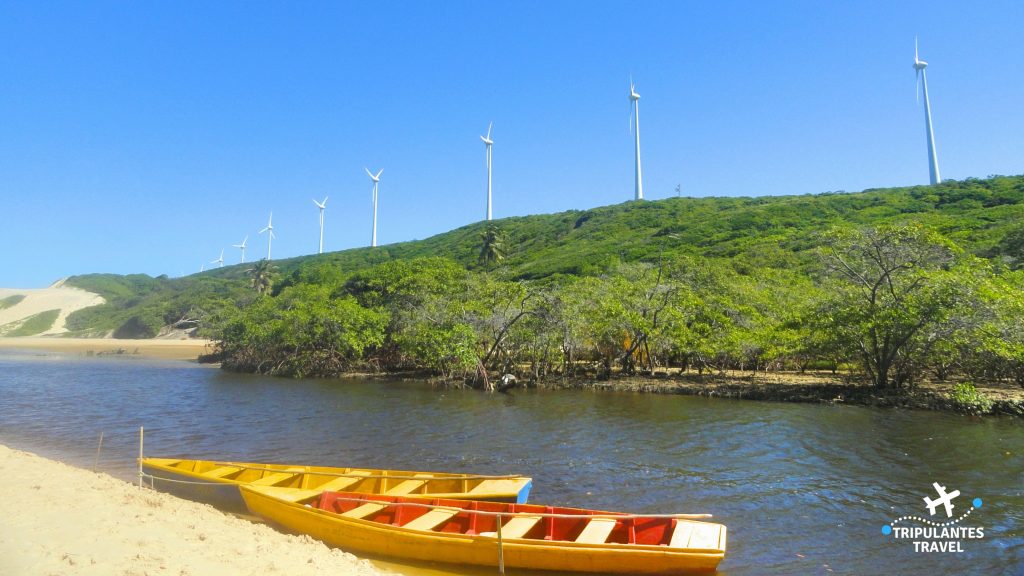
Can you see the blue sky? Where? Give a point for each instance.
(147, 136)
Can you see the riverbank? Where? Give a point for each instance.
(58, 519)
(165, 349)
(817, 387)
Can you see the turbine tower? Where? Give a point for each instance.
(242, 246)
(487, 144)
(922, 78)
(270, 236)
(376, 182)
(639, 189)
(321, 206)
(219, 261)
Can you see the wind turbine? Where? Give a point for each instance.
(270, 236)
(242, 246)
(376, 182)
(922, 78)
(219, 260)
(639, 194)
(321, 206)
(487, 144)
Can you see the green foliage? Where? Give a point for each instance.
(34, 324)
(138, 327)
(965, 396)
(262, 276)
(11, 300)
(492, 246)
(893, 295)
(903, 283)
(302, 332)
(195, 302)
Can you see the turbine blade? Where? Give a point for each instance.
(325, 200)
(489, 126)
(915, 49)
(379, 172)
(368, 173)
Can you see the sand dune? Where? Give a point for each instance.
(56, 297)
(166, 349)
(63, 520)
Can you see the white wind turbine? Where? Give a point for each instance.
(220, 260)
(639, 188)
(487, 144)
(270, 236)
(922, 78)
(376, 182)
(321, 206)
(242, 246)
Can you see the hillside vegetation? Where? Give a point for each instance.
(897, 282)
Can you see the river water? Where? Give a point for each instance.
(803, 489)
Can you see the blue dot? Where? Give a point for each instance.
(886, 529)
(977, 502)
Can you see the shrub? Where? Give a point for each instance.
(965, 396)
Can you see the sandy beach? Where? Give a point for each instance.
(58, 519)
(166, 349)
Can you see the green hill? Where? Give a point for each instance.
(983, 216)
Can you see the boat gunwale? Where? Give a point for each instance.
(382, 472)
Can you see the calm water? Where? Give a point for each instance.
(804, 489)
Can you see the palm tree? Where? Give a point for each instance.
(493, 247)
(262, 274)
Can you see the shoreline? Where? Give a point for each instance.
(164, 349)
(810, 387)
(59, 519)
(804, 388)
(807, 388)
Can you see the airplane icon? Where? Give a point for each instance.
(944, 499)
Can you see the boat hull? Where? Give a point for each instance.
(358, 535)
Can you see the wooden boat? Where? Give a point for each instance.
(217, 482)
(466, 532)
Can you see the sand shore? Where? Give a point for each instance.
(155, 348)
(58, 519)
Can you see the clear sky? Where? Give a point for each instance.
(147, 136)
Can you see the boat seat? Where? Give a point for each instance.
(408, 486)
(597, 531)
(299, 494)
(681, 535)
(274, 478)
(432, 519)
(340, 483)
(220, 472)
(517, 527)
(365, 510)
(705, 536)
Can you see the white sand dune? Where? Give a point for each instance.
(56, 297)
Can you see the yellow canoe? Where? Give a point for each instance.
(216, 482)
(466, 532)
